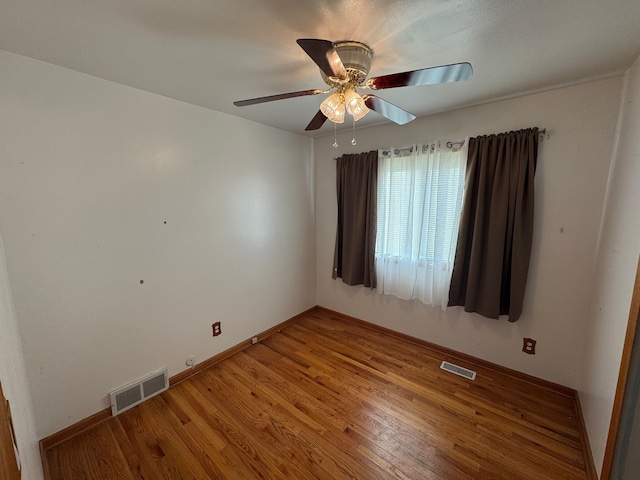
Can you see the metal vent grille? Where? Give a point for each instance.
(153, 385)
(463, 372)
(138, 391)
(128, 398)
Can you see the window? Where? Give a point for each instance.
(419, 201)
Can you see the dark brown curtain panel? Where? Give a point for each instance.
(357, 183)
(496, 225)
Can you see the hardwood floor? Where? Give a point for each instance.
(329, 399)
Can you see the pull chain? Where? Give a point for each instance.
(335, 135)
(353, 140)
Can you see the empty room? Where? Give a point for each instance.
(328, 239)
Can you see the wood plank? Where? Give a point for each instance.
(327, 398)
(93, 454)
(437, 349)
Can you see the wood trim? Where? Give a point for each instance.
(589, 466)
(89, 422)
(405, 417)
(538, 382)
(75, 429)
(8, 463)
(81, 426)
(634, 312)
(182, 376)
(45, 464)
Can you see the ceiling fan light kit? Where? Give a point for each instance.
(344, 67)
(333, 107)
(355, 104)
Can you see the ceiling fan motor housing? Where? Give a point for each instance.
(356, 58)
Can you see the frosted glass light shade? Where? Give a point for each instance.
(355, 104)
(333, 108)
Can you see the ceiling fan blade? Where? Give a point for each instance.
(387, 109)
(271, 98)
(427, 76)
(325, 55)
(316, 122)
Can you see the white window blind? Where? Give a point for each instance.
(419, 201)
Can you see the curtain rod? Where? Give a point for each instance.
(541, 131)
(425, 146)
(400, 149)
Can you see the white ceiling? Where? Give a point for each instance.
(212, 52)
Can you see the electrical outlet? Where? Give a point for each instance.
(217, 329)
(529, 346)
(190, 361)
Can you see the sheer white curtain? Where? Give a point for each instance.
(419, 200)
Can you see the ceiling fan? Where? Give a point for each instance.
(344, 67)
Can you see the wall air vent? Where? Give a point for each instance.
(463, 372)
(138, 391)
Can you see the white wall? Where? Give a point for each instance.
(91, 171)
(13, 376)
(571, 179)
(615, 273)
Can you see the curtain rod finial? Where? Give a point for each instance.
(544, 134)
